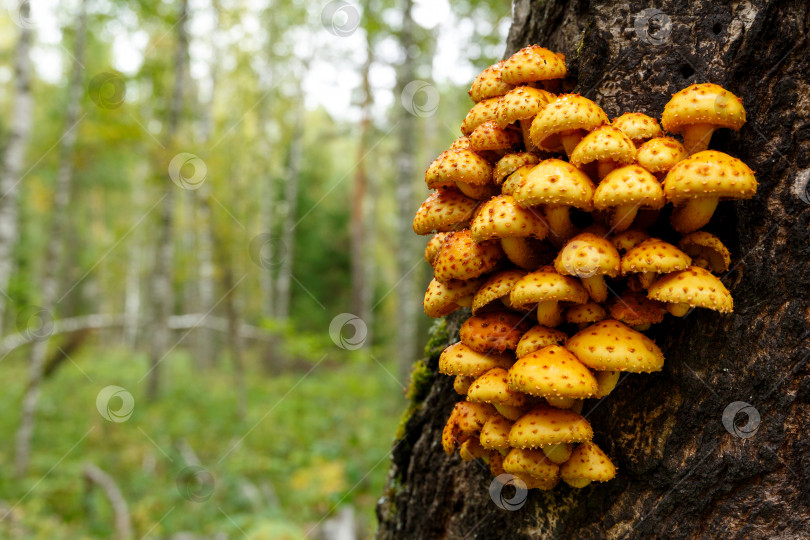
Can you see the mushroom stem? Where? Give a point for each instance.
(596, 287)
(561, 402)
(641, 327)
(623, 216)
(696, 137)
(465, 301)
(506, 301)
(679, 310)
(525, 127)
(558, 453)
(701, 262)
(476, 192)
(519, 251)
(606, 381)
(509, 411)
(549, 314)
(646, 279)
(577, 482)
(604, 167)
(559, 222)
(570, 139)
(694, 214)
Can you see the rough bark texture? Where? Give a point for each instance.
(682, 474)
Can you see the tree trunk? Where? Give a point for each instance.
(682, 472)
(53, 255)
(94, 476)
(11, 169)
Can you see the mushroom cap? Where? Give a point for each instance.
(694, 286)
(461, 258)
(704, 103)
(492, 387)
(462, 143)
(533, 63)
(522, 103)
(554, 182)
(496, 286)
(512, 162)
(638, 126)
(587, 313)
(603, 143)
(654, 255)
(634, 309)
(630, 184)
(567, 112)
(495, 433)
(461, 383)
(515, 179)
(488, 84)
(706, 246)
(458, 359)
(502, 217)
(493, 331)
(483, 111)
(458, 166)
(531, 462)
(543, 484)
(709, 173)
(552, 371)
(545, 425)
(444, 210)
(491, 136)
(441, 298)
(470, 417)
(660, 154)
(612, 346)
(538, 337)
(588, 462)
(627, 240)
(587, 255)
(545, 285)
(434, 245)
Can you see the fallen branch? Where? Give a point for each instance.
(95, 476)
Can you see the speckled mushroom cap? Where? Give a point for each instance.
(496, 286)
(531, 462)
(470, 417)
(491, 136)
(545, 285)
(612, 346)
(488, 84)
(694, 286)
(545, 425)
(494, 331)
(492, 387)
(567, 112)
(588, 463)
(627, 240)
(638, 126)
(704, 103)
(538, 337)
(654, 255)
(495, 433)
(458, 166)
(458, 359)
(635, 309)
(462, 143)
(516, 179)
(481, 112)
(522, 103)
(461, 384)
(501, 217)
(555, 182)
(660, 154)
(533, 63)
(461, 258)
(603, 143)
(552, 371)
(630, 184)
(706, 247)
(587, 255)
(434, 245)
(445, 210)
(512, 162)
(709, 173)
(587, 313)
(441, 298)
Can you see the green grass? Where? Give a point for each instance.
(308, 444)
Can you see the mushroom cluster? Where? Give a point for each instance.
(545, 222)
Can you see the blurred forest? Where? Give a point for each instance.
(210, 289)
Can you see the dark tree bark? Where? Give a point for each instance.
(682, 474)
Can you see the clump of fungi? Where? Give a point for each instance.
(547, 211)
